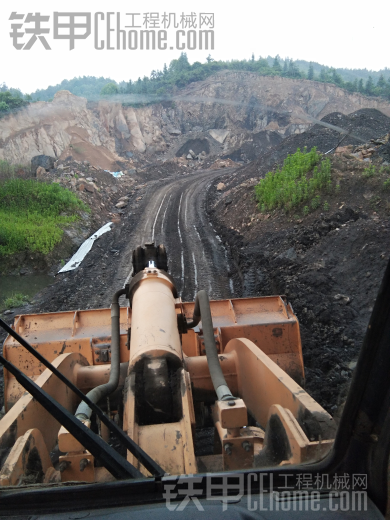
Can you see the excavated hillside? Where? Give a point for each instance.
(231, 113)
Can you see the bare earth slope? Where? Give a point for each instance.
(227, 110)
(329, 264)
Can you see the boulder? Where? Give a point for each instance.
(290, 254)
(45, 161)
(40, 172)
(221, 186)
(121, 204)
(219, 134)
(173, 131)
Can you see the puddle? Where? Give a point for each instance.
(26, 285)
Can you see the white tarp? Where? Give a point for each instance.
(115, 174)
(84, 249)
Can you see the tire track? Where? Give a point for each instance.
(174, 213)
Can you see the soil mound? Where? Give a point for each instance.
(330, 263)
(363, 125)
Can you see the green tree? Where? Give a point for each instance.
(310, 74)
(11, 100)
(209, 59)
(381, 82)
(361, 86)
(293, 71)
(369, 86)
(111, 89)
(183, 63)
(276, 64)
(262, 63)
(382, 87)
(336, 78)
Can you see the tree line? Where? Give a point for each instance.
(180, 73)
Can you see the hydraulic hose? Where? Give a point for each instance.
(83, 411)
(202, 312)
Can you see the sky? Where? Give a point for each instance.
(343, 33)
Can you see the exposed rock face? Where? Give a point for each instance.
(228, 109)
(49, 129)
(219, 135)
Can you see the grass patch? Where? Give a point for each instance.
(33, 214)
(15, 300)
(292, 186)
(369, 172)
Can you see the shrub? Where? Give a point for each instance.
(33, 214)
(291, 186)
(111, 89)
(11, 101)
(306, 210)
(15, 300)
(369, 172)
(315, 202)
(326, 206)
(386, 185)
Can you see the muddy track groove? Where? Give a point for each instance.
(173, 212)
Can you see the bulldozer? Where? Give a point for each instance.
(109, 403)
(158, 369)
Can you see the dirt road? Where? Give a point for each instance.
(174, 214)
(169, 211)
